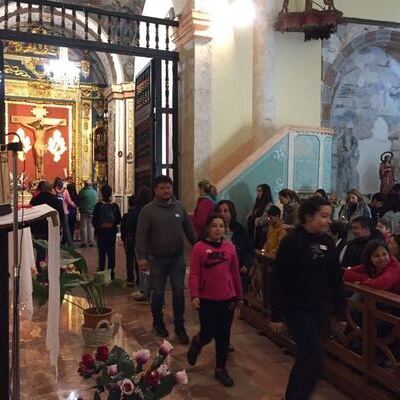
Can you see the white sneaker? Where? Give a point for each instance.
(137, 295)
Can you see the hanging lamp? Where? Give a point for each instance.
(316, 23)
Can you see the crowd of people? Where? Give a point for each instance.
(314, 245)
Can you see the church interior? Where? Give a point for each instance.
(301, 96)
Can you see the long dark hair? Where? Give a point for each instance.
(232, 210)
(263, 201)
(370, 249)
(72, 189)
(290, 194)
(58, 183)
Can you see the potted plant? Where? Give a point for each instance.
(75, 280)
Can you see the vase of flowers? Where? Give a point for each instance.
(116, 375)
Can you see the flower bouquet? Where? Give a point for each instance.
(117, 375)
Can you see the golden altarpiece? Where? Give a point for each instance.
(63, 125)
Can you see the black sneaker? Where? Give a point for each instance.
(161, 330)
(182, 336)
(193, 352)
(231, 349)
(223, 376)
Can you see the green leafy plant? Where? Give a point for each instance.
(75, 276)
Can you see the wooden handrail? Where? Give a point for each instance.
(365, 361)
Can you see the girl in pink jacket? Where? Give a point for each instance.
(215, 289)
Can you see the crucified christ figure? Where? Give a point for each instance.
(39, 126)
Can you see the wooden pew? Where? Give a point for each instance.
(365, 361)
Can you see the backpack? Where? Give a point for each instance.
(107, 218)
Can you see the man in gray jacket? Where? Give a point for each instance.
(160, 249)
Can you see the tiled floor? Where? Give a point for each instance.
(259, 368)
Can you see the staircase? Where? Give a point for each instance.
(297, 157)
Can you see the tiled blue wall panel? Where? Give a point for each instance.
(306, 163)
(270, 168)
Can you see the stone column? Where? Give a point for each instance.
(192, 40)
(264, 53)
(120, 101)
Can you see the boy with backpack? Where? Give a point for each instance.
(106, 218)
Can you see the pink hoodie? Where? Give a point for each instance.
(214, 272)
(205, 207)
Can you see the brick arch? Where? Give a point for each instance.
(332, 76)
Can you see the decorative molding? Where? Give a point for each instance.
(192, 24)
(120, 91)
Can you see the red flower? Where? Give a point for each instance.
(152, 378)
(85, 372)
(102, 353)
(87, 361)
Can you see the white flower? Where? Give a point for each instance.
(141, 356)
(165, 348)
(112, 370)
(127, 386)
(163, 371)
(181, 378)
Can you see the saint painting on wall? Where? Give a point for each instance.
(100, 144)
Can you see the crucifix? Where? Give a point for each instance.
(39, 125)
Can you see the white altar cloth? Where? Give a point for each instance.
(53, 313)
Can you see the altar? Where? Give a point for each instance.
(25, 218)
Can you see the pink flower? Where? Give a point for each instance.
(102, 353)
(112, 370)
(127, 386)
(163, 371)
(142, 356)
(181, 378)
(165, 348)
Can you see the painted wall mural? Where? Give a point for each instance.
(361, 102)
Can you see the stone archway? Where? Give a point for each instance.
(358, 95)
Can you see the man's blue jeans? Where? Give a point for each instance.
(162, 268)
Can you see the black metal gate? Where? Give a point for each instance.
(156, 123)
(93, 29)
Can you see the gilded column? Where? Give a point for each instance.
(86, 127)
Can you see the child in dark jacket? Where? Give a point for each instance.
(379, 270)
(106, 218)
(128, 232)
(215, 289)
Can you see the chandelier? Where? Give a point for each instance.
(316, 23)
(62, 71)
